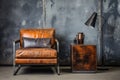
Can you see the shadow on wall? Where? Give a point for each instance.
(64, 50)
(111, 33)
(7, 27)
(113, 5)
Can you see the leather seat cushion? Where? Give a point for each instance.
(35, 61)
(36, 53)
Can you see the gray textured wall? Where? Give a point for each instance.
(66, 16)
(14, 15)
(111, 32)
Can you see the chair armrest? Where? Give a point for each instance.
(17, 41)
(57, 43)
(14, 43)
(14, 47)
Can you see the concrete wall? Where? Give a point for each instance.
(111, 32)
(14, 15)
(66, 16)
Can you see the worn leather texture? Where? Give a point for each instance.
(36, 42)
(37, 33)
(36, 61)
(36, 53)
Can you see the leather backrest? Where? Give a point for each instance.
(37, 33)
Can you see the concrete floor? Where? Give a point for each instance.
(38, 73)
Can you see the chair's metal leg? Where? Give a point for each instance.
(15, 71)
(58, 69)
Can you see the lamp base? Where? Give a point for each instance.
(103, 68)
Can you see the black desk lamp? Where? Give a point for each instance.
(92, 20)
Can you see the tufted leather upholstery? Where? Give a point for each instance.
(34, 55)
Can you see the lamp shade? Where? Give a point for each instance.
(92, 20)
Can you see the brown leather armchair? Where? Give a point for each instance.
(37, 47)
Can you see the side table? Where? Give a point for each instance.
(83, 58)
